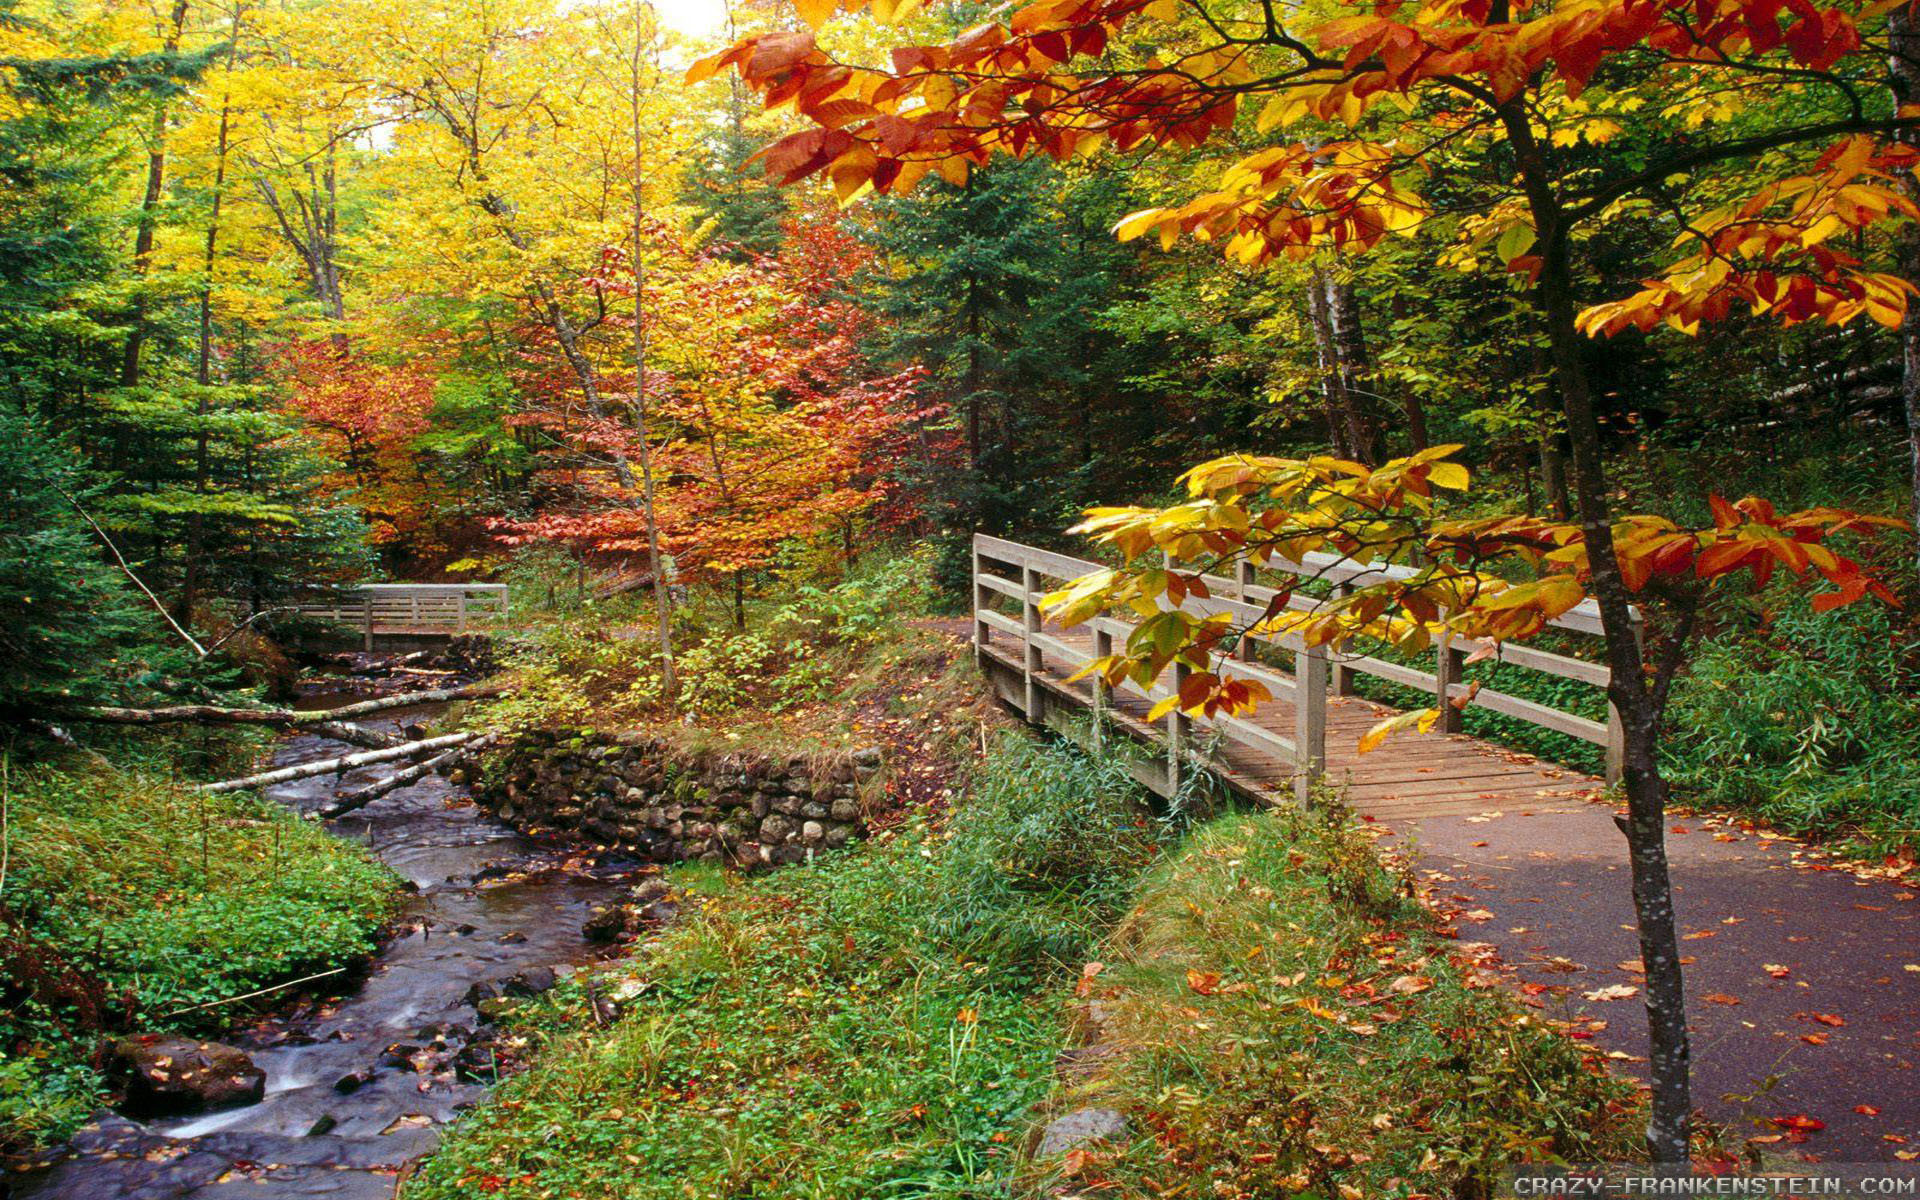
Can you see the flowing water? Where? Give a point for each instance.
(489, 903)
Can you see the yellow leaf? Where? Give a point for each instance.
(815, 12)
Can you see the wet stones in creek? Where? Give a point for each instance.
(649, 906)
(636, 793)
(169, 1076)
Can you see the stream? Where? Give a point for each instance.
(360, 1081)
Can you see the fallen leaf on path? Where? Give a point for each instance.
(1800, 1123)
(1619, 991)
(1814, 1039)
(1720, 998)
(1866, 1110)
(1777, 970)
(1827, 1019)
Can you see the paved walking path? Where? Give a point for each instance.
(1801, 972)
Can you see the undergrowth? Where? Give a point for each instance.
(890, 1021)
(599, 666)
(879, 1024)
(131, 901)
(1277, 1018)
(1809, 721)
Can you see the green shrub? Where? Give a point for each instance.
(1280, 1019)
(157, 900)
(1809, 720)
(45, 1100)
(878, 1024)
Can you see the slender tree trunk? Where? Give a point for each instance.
(1416, 421)
(1903, 77)
(1645, 824)
(972, 384)
(662, 597)
(195, 563)
(149, 212)
(1332, 380)
(1355, 367)
(1553, 475)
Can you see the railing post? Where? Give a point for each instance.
(1179, 724)
(1242, 580)
(1030, 625)
(980, 601)
(1340, 677)
(1447, 669)
(1102, 647)
(1309, 720)
(366, 612)
(460, 613)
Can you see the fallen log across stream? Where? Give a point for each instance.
(360, 797)
(211, 714)
(341, 765)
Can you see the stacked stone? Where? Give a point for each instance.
(640, 794)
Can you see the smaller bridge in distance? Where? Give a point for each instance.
(411, 609)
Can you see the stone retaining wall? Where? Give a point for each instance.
(639, 793)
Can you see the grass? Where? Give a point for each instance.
(879, 1024)
(1808, 721)
(888, 1023)
(134, 902)
(1276, 1017)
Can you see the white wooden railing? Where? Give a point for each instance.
(412, 607)
(1026, 573)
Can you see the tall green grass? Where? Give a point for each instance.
(879, 1024)
(1281, 1019)
(1811, 721)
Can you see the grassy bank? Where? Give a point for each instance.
(889, 1022)
(134, 902)
(879, 1024)
(1275, 1016)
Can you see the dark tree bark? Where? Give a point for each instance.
(1903, 77)
(193, 564)
(1553, 475)
(1638, 700)
(1342, 355)
(149, 220)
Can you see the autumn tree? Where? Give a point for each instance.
(1359, 110)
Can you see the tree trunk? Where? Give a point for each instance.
(1553, 475)
(1645, 825)
(1903, 77)
(662, 598)
(339, 766)
(1356, 369)
(194, 565)
(149, 213)
(1326, 355)
(1341, 352)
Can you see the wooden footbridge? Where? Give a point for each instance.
(1310, 730)
(411, 609)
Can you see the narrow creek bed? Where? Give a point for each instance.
(361, 1079)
